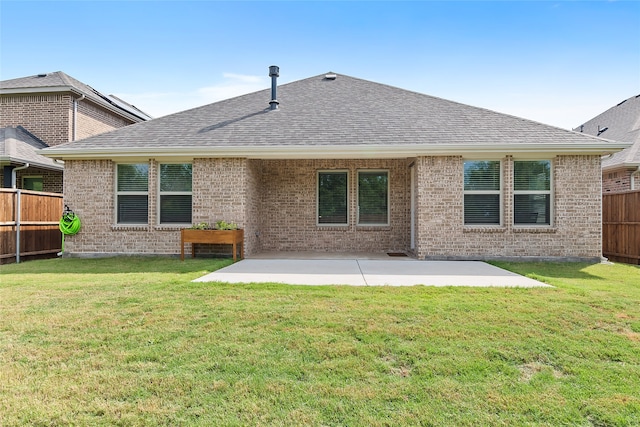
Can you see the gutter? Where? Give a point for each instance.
(470, 151)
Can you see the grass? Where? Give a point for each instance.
(132, 342)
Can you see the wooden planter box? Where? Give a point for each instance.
(222, 237)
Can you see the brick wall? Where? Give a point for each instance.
(288, 205)
(51, 180)
(94, 120)
(575, 233)
(219, 192)
(275, 202)
(617, 181)
(253, 218)
(50, 117)
(46, 116)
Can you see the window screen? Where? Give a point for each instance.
(482, 192)
(332, 198)
(532, 192)
(132, 193)
(373, 198)
(175, 193)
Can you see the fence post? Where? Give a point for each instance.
(18, 197)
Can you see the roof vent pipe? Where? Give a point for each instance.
(274, 73)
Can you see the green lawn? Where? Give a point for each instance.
(131, 341)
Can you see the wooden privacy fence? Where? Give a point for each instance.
(621, 226)
(29, 223)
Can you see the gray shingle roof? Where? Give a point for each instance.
(17, 145)
(320, 113)
(622, 123)
(59, 79)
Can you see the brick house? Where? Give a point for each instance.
(338, 164)
(51, 109)
(621, 170)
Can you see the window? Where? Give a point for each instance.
(175, 193)
(482, 186)
(373, 198)
(32, 183)
(132, 193)
(532, 192)
(332, 198)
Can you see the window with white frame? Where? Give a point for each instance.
(532, 192)
(332, 198)
(373, 197)
(132, 193)
(482, 192)
(175, 193)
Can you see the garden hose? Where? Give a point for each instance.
(69, 225)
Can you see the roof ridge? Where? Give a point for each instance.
(65, 78)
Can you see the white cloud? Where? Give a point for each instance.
(158, 104)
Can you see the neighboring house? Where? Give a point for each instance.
(342, 164)
(19, 147)
(53, 109)
(620, 171)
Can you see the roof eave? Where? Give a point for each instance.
(625, 165)
(337, 152)
(12, 159)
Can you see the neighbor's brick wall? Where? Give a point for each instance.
(46, 116)
(576, 232)
(50, 117)
(288, 201)
(93, 120)
(617, 181)
(51, 180)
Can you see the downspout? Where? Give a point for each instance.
(18, 197)
(14, 175)
(75, 117)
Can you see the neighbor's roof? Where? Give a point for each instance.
(619, 123)
(61, 82)
(17, 145)
(342, 117)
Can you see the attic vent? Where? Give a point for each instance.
(43, 75)
(602, 129)
(330, 76)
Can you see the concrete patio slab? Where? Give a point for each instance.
(369, 272)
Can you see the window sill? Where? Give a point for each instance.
(534, 229)
(170, 227)
(333, 227)
(371, 227)
(484, 229)
(129, 227)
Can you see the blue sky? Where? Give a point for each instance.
(557, 62)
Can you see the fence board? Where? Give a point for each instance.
(39, 216)
(621, 226)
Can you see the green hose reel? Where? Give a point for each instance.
(69, 224)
